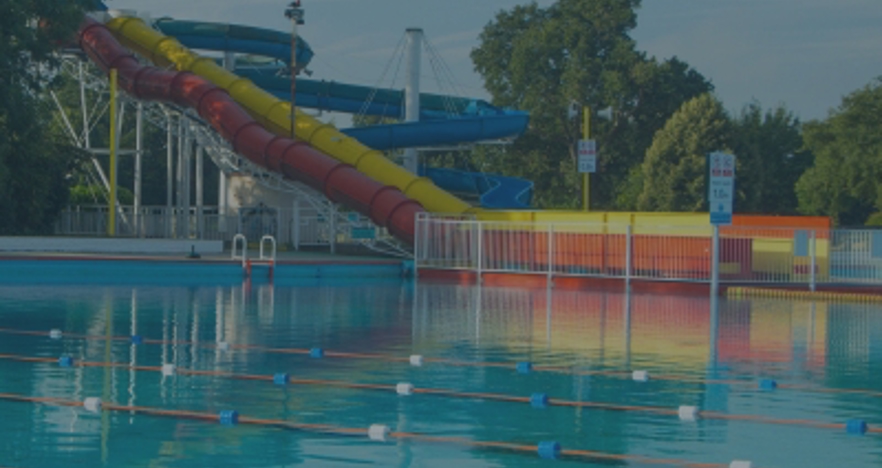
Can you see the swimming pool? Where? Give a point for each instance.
(583, 347)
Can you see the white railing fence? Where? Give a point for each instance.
(297, 227)
(662, 253)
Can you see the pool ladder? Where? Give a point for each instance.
(265, 258)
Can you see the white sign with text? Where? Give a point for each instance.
(721, 187)
(587, 156)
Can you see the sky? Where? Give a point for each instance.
(804, 54)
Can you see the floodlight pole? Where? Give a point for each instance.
(295, 13)
(412, 92)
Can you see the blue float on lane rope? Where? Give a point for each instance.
(229, 417)
(539, 400)
(856, 426)
(524, 367)
(549, 450)
(316, 353)
(768, 384)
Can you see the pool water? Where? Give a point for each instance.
(815, 346)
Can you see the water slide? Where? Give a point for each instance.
(275, 116)
(492, 191)
(386, 206)
(466, 121)
(444, 119)
(383, 102)
(319, 94)
(234, 38)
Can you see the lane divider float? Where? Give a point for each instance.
(549, 450)
(536, 400)
(416, 360)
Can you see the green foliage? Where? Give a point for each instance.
(34, 170)
(30, 31)
(768, 146)
(845, 181)
(154, 156)
(96, 195)
(35, 162)
(875, 220)
(771, 158)
(673, 176)
(541, 59)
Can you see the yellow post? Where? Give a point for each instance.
(111, 222)
(586, 180)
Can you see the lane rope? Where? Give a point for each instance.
(565, 370)
(538, 400)
(557, 451)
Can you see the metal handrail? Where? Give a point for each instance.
(272, 241)
(244, 255)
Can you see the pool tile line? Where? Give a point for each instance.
(537, 400)
(544, 449)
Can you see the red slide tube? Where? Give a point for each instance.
(385, 205)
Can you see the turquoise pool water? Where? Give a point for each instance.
(817, 346)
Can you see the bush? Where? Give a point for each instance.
(874, 220)
(94, 194)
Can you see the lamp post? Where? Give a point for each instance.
(295, 13)
(586, 148)
(412, 92)
(586, 177)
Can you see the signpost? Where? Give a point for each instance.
(721, 194)
(721, 188)
(588, 162)
(587, 156)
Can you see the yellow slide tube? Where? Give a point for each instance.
(275, 115)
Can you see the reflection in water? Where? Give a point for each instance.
(601, 328)
(713, 333)
(819, 344)
(133, 352)
(696, 333)
(627, 326)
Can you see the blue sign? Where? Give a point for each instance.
(721, 187)
(721, 217)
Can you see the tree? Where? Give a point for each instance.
(541, 59)
(34, 161)
(673, 175)
(845, 181)
(771, 158)
(86, 188)
(95, 195)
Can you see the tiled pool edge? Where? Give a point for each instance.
(89, 268)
